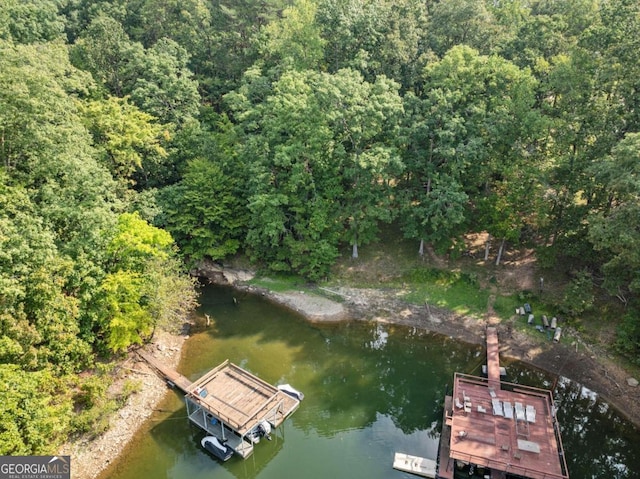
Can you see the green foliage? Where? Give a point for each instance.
(105, 50)
(163, 84)
(375, 38)
(295, 39)
(615, 230)
(578, 295)
(460, 22)
(127, 137)
(321, 160)
(39, 320)
(30, 21)
(34, 412)
(146, 287)
(628, 340)
(279, 282)
(93, 406)
(457, 291)
(125, 321)
(204, 212)
(136, 243)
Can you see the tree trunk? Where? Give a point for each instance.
(354, 253)
(500, 250)
(487, 247)
(421, 249)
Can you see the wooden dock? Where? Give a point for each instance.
(493, 357)
(501, 427)
(445, 463)
(170, 375)
(229, 402)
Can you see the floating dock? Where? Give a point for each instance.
(498, 429)
(230, 403)
(415, 465)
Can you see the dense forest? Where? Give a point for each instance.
(140, 136)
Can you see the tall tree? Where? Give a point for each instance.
(39, 322)
(375, 38)
(460, 22)
(474, 124)
(144, 287)
(615, 228)
(164, 85)
(295, 39)
(105, 50)
(322, 154)
(30, 21)
(127, 138)
(592, 97)
(204, 211)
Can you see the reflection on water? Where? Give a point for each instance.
(370, 390)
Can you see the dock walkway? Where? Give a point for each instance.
(493, 357)
(173, 377)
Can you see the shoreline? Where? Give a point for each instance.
(578, 361)
(90, 458)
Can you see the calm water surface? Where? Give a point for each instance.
(370, 390)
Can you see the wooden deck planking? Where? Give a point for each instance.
(241, 399)
(169, 374)
(234, 396)
(493, 357)
(445, 463)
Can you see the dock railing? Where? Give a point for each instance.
(509, 467)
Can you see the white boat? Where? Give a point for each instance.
(261, 430)
(291, 391)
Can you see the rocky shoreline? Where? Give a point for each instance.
(578, 361)
(90, 457)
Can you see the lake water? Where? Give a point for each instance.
(370, 391)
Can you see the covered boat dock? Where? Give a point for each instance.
(230, 403)
(503, 429)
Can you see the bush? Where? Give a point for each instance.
(578, 295)
(628, 339)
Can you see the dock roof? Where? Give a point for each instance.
(240, 399)
(507, 427)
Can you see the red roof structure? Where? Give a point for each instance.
(509, 430)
